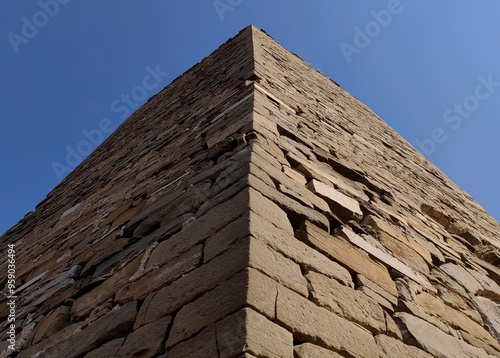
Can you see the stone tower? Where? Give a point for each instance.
(253, 208)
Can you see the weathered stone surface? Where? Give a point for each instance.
(364, 281)
(316, 324)
(463, 277)
(157, 278)
(248, 331)
(490, 312)
(346, 302)
(201, 346)
(308, 350)
(393, 348)
(278, 267)
(286, 244)
(343, 206)
(384, 257)
(341, 250)
(286, 185)
(115, 324)
(170, 298)
(376, 297)
(405, 254)
(490, 288)
(417, 311)
(86, 303)
(109, 349)
(391, 328)
(223, 239)
(146, 341)
(287, 203)
(454, 318)
(436, 342)
(295, 175)
(247, 287)
(200, 229)
(52, 323)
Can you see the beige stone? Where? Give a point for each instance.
(200, 229)
(290, 205)
(490, 288)
(223, 239)
(365, 281)
(171, 298)
(316, 324)
(297, 251)
(86, 303)
(417, 311)
(341, 205)
(247, 287)
(456, 319)
(377, 298)
(383, 228)
(490, 312)
(203, 345)
(248, 331)
(344, 252)
(309, 350)
(295, 175)
(389, 260)
(346, 302)
(146, 341)
(157, 278)
(436, 342)
(113, 325)
(393, 348)
(463, 277)
(278, 267)
(286, 185)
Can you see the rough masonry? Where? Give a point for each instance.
(253, 208)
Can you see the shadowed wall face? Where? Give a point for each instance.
(253, 208)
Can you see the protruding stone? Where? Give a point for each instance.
(343, 206)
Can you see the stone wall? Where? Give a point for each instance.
(253, 208)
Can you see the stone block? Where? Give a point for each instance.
(109, 349)
(285, 243)
(315, 324)
(247, 287)
(393, 348)
(346, 302)
(146, 341)
(349, 255)
(247, 331)
(309, 350)
(341, 205)
(434, 341)
(200, 229)
(171, 298)
(85, 304)
(160, 277)
(52, 323)
(115, 324)
(202, 345)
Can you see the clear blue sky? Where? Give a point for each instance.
(424, 66)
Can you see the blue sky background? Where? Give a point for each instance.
(429, 57)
